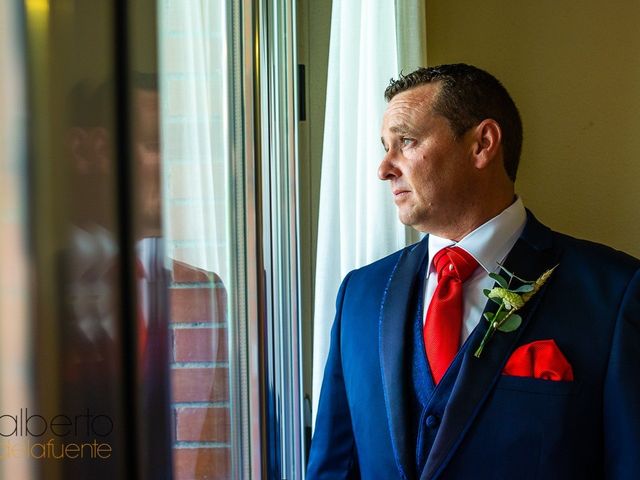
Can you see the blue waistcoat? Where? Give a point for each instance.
(428, 403)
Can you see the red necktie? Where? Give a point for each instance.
(142, 321)
(443, 323)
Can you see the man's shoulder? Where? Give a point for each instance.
(580, 253)
(385, 265)
(596, 257)
(369, 283)
(598, 252)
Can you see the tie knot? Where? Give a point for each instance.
(454, 262)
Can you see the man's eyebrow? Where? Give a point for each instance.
(401, 128)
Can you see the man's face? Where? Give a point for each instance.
(431, 173)
(147, 157)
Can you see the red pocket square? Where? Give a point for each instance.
(541, 359)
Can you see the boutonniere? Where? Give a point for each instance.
(510, 299)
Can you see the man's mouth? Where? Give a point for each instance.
(399, 193)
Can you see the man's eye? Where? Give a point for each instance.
(406, 141)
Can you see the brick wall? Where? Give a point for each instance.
(199, 375)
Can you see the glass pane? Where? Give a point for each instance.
(195, 202)
(15, 377)
(152, 280)
(152, 273)
(76, 414)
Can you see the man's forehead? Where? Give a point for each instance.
(408, 107)
(420, 95)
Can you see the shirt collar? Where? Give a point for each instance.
(490, 243)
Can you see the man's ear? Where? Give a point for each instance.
(488, 143)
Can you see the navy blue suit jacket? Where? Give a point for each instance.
(494, 426)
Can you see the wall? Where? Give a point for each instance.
(199, 375)
(572, 68)
(314, 25)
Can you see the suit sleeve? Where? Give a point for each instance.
(333, 452)
(622, 391)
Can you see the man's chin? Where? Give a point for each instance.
(406, 218)
(148, 226)
(411, 221)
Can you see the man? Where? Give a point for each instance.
(408, 392)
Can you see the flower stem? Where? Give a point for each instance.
(489, 333)
(485, 339)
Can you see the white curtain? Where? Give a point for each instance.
(371, 42)
(194, 138)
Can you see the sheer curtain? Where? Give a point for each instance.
(371, 42)
(194, 132)
(195, 165)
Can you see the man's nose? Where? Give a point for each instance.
(388, 169)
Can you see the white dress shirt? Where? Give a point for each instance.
(489, 244)
(150, 254)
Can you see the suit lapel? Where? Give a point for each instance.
(530, 257)
(397, 312)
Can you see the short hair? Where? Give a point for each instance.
(469, 95)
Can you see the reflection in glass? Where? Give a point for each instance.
(75, 242)
(152, 282)
(89, 267)
(195, 157)
(15, 377)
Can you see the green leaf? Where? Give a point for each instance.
(512, 323)
(500, 279)
(486, 292)
(488, 316)
(501, 315)
(526, 288)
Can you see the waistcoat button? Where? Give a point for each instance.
(432, 421)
